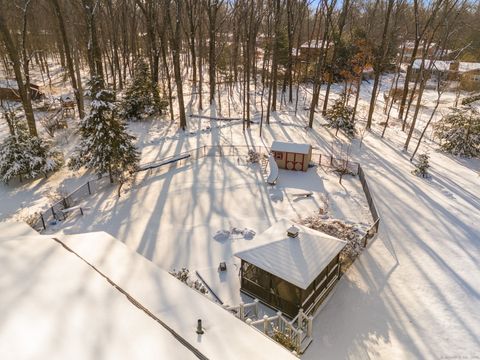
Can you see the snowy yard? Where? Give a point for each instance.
(180, 218)
(413, 293)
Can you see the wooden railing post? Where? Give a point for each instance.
(241, 311)
(310, 326)
(299, 339)
(300, 318)
(265, 324)
(256, 301)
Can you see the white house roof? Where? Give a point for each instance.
(10, 230)
(8, 83)
(290, 147)
(468, 66)
(174, 303)
(439, 65)
(55, 306)
(315, 44)
(297, 260)
(59, 305)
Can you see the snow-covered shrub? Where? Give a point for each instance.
(184, 276)
(470, 99)
(26, 156)
(253, 157)
(459, 132)
(339, 117)
(340, 230)
(286, 338)
(421, 167)
(142, 97)
(105, 145)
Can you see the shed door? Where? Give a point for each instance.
(299, 161)
(295, 161)
(290, 161)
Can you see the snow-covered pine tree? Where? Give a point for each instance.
(459, 132)
(105, 145)
(142, 96)
(26, 156)
(339, 116)
(421, 167)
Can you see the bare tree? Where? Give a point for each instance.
(20, 60)
(175, 44)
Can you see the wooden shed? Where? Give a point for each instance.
(290, 266)
(292, 156)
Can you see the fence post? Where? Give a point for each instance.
(89, 190)
(256, 301)
(43, 222)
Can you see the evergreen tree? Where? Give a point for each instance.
(459, 132)
(26, 156)
(421, 168)
(142, 96)
(339, 116)
(105, 145)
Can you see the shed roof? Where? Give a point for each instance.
(290, 147)
(297, 260)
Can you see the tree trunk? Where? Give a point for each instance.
(379, 63)
(68, 57)
(23, 90)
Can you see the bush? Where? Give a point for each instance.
(339, 116)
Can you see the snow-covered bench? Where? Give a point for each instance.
(273, 176)
(163, 162)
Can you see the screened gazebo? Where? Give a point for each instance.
(290, 266)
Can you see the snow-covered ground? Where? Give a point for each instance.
(413, 293)
(176, 218)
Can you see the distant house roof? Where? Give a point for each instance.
(315, 44)
(297, 260)
(9, 84)
(468, 66)
(439, 65)
(290, 147)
